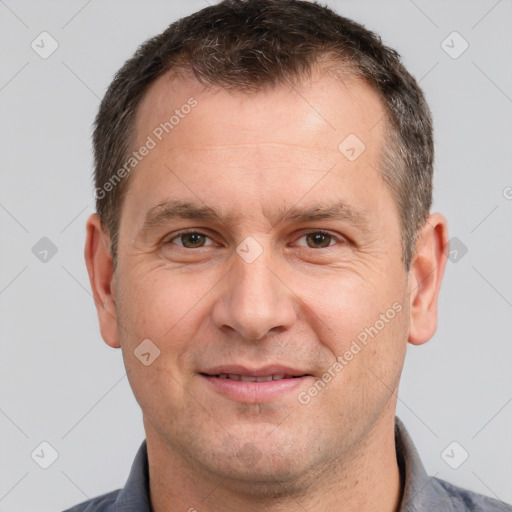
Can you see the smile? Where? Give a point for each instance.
(249, 378)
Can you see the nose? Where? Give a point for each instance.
(254, 300)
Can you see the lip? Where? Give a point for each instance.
(255, 372)
(255, 392)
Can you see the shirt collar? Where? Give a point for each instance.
(415, 480)
(134, 497)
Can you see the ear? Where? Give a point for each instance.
(101, 276)
(425, 276)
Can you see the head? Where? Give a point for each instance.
(273, 210)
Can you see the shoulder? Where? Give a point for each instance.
(462, 500)
(103, 503)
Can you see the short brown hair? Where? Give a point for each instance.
(247, 44)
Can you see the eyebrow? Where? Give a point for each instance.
(163, 213)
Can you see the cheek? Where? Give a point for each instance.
(363, 326)
(345, 307)
(367, 364)
(166, 308)
(376, 354)
(162, 304)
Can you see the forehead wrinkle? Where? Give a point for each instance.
(251, 145)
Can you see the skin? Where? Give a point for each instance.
(300, 303)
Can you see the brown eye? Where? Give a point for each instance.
(191, 240)
(318, 240)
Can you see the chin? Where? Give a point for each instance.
(260, 462)
(267, 478)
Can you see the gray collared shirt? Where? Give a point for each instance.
(422, 493)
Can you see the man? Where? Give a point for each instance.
(262, 253)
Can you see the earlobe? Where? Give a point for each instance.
(425, 276)
(101, 276)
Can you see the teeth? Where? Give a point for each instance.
(249, 378)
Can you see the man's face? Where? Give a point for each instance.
(267, 282)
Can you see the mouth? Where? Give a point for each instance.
(254, 385)
(252, 378)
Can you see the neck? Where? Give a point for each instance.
(367, 479)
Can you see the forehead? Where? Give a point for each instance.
(329, 107)
(235, 143)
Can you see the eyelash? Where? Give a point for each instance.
(337, 238)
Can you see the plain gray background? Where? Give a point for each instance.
(60, 384)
